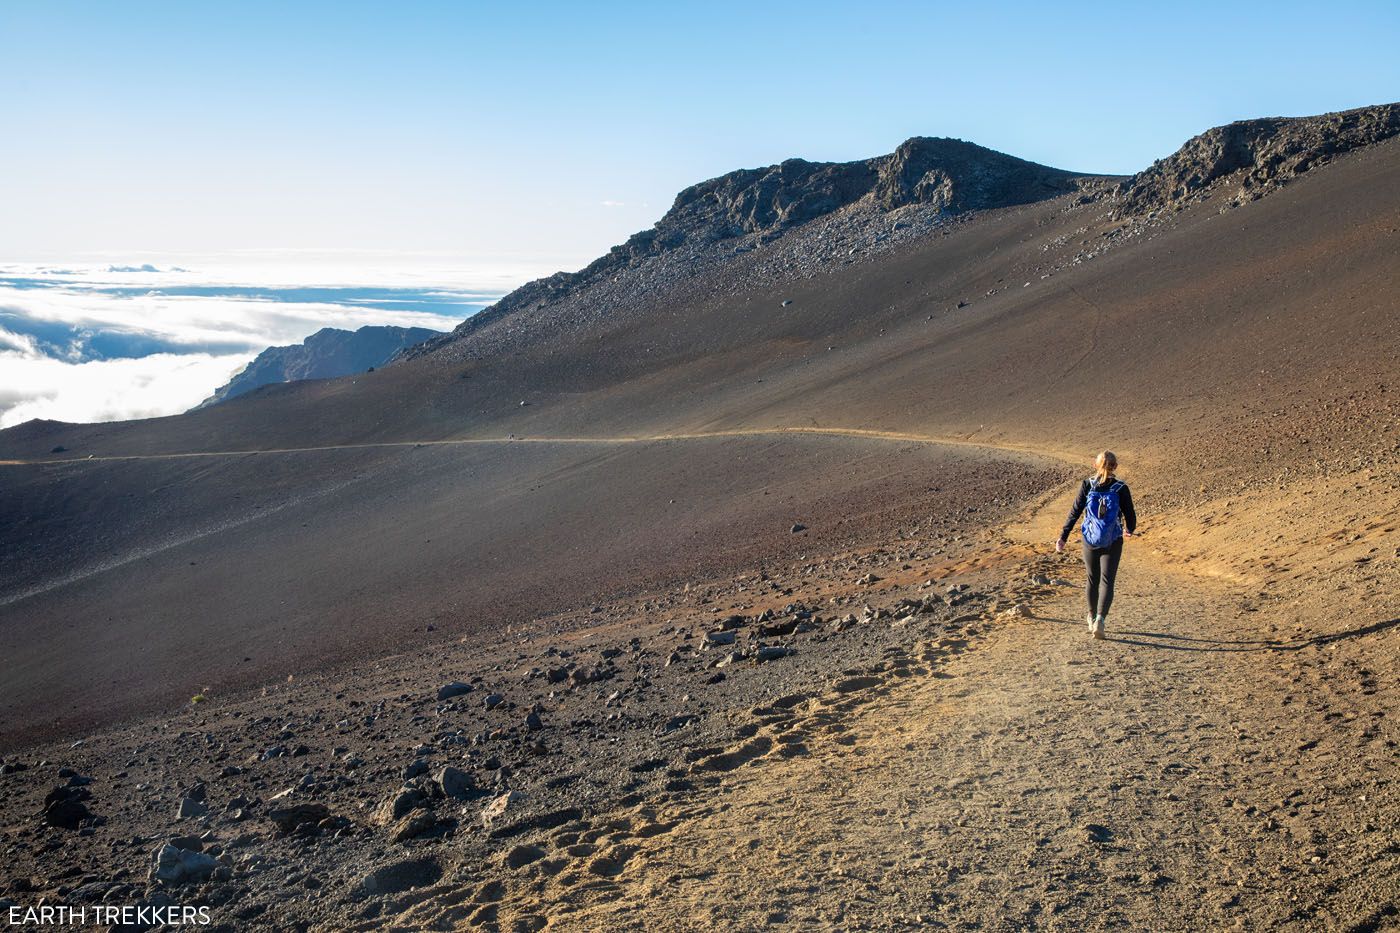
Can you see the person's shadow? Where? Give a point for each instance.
(1172, 642)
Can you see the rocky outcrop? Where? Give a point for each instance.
(328, 353)
(806, 218)
(754, 206)
(1245, 160)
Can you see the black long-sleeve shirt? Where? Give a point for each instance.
(1125, 505)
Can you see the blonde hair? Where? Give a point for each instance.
(1104, 465)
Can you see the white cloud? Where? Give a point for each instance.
(117, 340)
(613, 203)
(108, 390)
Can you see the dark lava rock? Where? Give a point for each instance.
(456, 783)
(64, 807)
(1250, 157)
(292, 817)
(66, 814)
(454, 689)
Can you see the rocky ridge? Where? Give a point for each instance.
(800, 219)
(1248, 159)
(328, 353)
(842, 209)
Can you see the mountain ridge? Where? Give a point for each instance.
(329, 352)
(939, 179)
(940, 176)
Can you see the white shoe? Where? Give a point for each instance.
(1098, 628)
(1090, 619)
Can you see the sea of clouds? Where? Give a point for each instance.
(117, 340)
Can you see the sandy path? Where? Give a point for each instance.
(1176, 776)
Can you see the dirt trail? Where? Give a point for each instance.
(1193, 771)
(858, 433)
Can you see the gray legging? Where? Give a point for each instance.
(1102, 565)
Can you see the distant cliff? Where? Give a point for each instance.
(328, 353)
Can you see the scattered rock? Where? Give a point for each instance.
(292, 818)
(189, 808)
(500, 806)
(64, 807)
(173, 865)
(406, 799)
(417, 823)
(456, 783)
(719, 638)
(678, 722)
(454, 689)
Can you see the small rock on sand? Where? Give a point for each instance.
(454, 689)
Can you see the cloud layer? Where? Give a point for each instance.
(124, 341)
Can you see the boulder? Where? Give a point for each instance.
(293, 817)
(405, 800)
(415, 824)
(173, 865)
(454, 689)
(189, 808)
(64, 807)
(499, 806)
(456, 783)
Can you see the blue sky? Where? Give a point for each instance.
(546, 132)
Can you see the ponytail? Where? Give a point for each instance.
(1104, 465)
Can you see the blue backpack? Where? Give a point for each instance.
(1101, 516)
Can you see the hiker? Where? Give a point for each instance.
(1108, 519)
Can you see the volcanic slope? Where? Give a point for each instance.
(1224, 346)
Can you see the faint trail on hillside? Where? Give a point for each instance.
(202, 531)
(853, 433)
(1093, 333)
